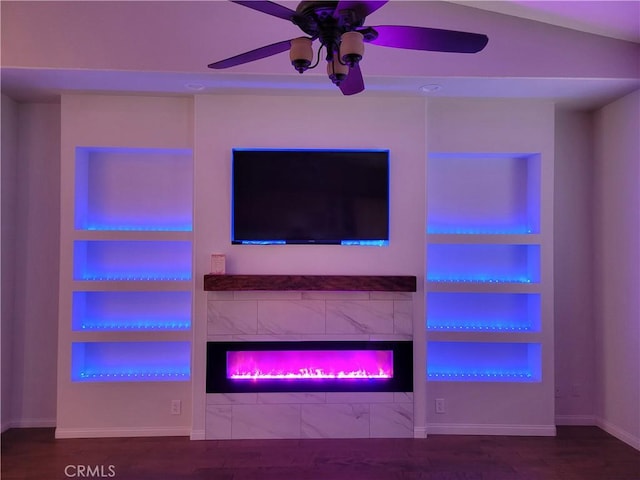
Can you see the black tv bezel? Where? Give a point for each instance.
(351, 242)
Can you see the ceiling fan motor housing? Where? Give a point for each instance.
(320, 20)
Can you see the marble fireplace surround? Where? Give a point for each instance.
(259, 308)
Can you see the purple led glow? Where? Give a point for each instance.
(309, 364)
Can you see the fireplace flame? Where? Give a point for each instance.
(308, 373)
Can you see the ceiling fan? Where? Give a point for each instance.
(339, 25)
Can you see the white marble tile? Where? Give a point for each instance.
(220, 338)
(359, 397)
(232, 317)
(391, 296)
(269, 338)
(319, 295)
(265, 421)
(392, 420)
(389, 338)
(294, 397)
(403, 317)
(231, 398)
(403, 397)
(268, 295)
(219, 296)
(294, 317)
(337, 337)
(360, 316)
(218, 422)
(335, 421)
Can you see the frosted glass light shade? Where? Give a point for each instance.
(301, 53)
(337, 71)
(351, 48)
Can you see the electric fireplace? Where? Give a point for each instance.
(310, 366)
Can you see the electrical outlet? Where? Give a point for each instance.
(440, 405)
(176, 407)
(575, 390)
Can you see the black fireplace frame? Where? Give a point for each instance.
(402, 381)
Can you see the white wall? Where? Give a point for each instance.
(8, 174)
(617, 267)
(573, 268)
(224, 122)
(32, 231)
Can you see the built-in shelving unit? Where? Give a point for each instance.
(132, 265)
(483, 288)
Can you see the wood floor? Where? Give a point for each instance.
(577, 453)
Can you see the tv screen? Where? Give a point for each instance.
(310, 197)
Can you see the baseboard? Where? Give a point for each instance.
(419, 432)
(122, 432)
(494, 429)
(198, 435)
(29, 423)
(577, 420)
(618, 432)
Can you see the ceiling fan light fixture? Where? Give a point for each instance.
(301, 53)
(351, 47)
(339, 26)
(337, 71)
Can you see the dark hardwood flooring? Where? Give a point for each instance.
(577, 453)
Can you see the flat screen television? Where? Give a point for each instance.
(326, 197)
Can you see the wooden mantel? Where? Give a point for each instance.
(362, 283)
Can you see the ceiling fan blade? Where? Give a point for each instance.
(354, 83)
(432, 39)
(269, 8)
(363, 8)
(257, 54)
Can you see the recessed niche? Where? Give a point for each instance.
(131, 311)
(483, 362)
(130, 361)
(483, 263)
(134, 189)
(483, 193)
(483, 312)
(132, 260)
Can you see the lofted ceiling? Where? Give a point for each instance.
(615, 19)
(582, 53)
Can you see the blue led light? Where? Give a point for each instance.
(136, 278)
(166, 325)
(475, 326)
(139, 228)
(481, 376)
(477, 279)
(366, 243)
(263, 242)
(511, 230)
(137, 375)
